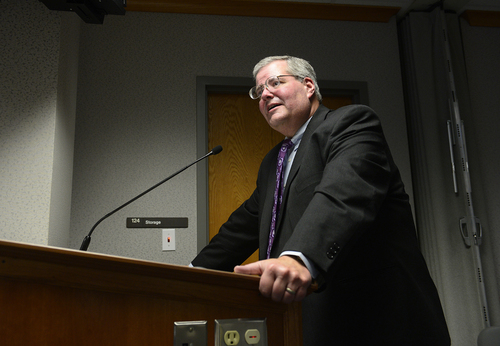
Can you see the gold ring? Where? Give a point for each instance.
(289, 290)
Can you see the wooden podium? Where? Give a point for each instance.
(53, 296)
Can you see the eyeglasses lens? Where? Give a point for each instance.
(271, 83)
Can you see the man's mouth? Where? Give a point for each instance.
(272, 107)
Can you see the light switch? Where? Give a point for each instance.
(168, 239)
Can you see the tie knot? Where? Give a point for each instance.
(287, 144)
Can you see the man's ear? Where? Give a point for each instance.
(311, 89)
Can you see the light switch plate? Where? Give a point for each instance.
(168, 239)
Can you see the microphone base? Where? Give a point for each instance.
(85, 243)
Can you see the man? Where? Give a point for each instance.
(343, 220)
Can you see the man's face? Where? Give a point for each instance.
(288, 107)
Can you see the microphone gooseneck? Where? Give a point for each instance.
(86, 240)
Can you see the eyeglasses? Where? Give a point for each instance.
(272, 83)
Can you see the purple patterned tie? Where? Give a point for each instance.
(278, 191)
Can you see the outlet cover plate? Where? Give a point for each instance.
(242, 326)
(190, 333)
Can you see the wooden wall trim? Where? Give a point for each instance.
(266, 8)
(482, 18)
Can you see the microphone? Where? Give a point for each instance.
(86, 240)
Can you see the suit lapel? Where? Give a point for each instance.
(316, 120)
(266, 210)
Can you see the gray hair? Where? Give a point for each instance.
(295, 66)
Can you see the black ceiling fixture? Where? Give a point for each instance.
(91, 11)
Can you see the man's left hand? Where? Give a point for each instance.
(283, 279)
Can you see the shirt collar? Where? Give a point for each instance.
(298, 135)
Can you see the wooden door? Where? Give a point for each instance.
(235, 123)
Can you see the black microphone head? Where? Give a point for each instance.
(216, 150)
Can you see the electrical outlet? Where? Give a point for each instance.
(252, 336)
(241, 331)
(190, 333)
(231, 337)
(168, 239)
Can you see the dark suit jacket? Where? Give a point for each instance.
(344, 207)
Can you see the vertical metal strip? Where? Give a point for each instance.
(470, 226)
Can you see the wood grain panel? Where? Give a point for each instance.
(277, 9)
(482, 18)
(234, 121)
(334, 102)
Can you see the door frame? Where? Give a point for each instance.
(240, 85)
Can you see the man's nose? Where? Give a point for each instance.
(266, 93)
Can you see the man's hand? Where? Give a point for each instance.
(283, 279)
